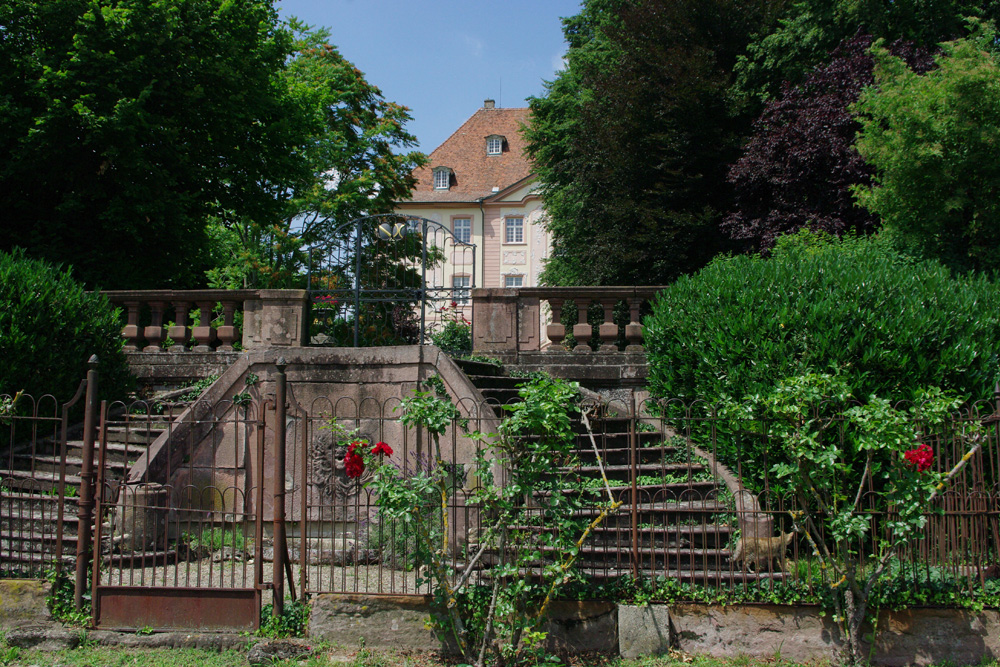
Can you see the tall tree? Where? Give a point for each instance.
(632, 139)
(932, 139)
(810, 29)
(799, 166)
(355, 149)
(125, 123)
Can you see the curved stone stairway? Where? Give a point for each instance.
(29, 484)
(685, 527)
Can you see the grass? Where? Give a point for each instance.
(325, 655)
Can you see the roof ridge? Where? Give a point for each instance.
(469, 120)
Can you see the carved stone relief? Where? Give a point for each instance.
(514, 257)
(330, 480)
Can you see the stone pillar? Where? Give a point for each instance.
(180, 333)
(494, 320)
(608, 330)
(227, 332)
(132, 333)
(633, 330)
(276, 318)
(204, 334)
(556, 331)
(154, 333)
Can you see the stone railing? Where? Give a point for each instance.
(508, 321)
(270, 318)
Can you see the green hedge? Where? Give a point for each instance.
(889, 324)
(49, 328)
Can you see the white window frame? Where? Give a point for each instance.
(467, 231)
(461, 289)
(442, 178)
(509, 278)
(513, 233)
(494, 145)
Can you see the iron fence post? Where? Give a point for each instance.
(357, 282)
(280, 545)
(633, 474)
(86, 515)
(423, 278)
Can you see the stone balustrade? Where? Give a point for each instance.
(270, 318)
(508, 321)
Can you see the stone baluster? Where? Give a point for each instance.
(228, 331)
(180, 333)
(555, 331)
(132, 333)
(155, 332)
(582, 331)
(608, 330)
(633, 330)
(204, 334)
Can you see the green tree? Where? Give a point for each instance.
(933, 140)
(810, 29)
(632, 140)
(125, 124)
(355, 150)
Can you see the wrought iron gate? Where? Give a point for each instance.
(389, 280)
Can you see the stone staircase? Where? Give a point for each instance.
(685, 526)
(29, 483)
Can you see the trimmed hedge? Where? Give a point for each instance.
(889, 324)
(49, 328)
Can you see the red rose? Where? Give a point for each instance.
(922, 457)
(382, 448)
(354, 465)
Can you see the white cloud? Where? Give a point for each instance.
(474, 44)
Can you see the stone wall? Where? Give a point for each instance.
(919, 636)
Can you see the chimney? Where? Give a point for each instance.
(489, 104)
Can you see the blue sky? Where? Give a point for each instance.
(442, 58)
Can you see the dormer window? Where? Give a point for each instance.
(494, 144)
(442, 178)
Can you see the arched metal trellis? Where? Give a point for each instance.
(389, 279)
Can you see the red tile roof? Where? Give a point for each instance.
(476, 174)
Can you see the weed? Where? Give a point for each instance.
(291, 623)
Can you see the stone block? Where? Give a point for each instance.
(387, 621)
(582, 626)
(643, 630)
(925, 636)
(23, 601)
(798, 634)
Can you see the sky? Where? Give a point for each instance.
(442, 58)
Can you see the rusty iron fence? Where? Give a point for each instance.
(339, 542)
(688, 501)
(180, 539)
(39, 452)
(200, 518)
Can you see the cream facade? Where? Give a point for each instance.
(479, 184)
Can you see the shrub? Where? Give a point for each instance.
(886, 323)
(49, 328)
(455, 335)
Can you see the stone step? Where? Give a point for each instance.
(135, 433)
(74, 465)
(36, 481)
(500, 396)
(479, 368)
(496, 381)
(670, 492)
(642, 468)
(714, 577)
